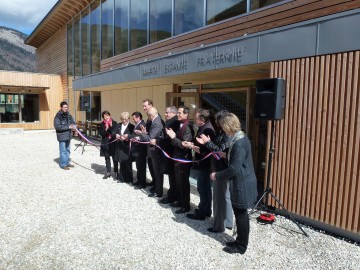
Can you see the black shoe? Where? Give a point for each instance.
(165, 201)
(155, 195)
(176, 204)
(214, 231)
(139, 187)
(232, 243)
(195, 217)
(136, 183)
(152, 190)
(107, 175)
(116, 176)
(182, 210)
(234, 249)
(151, 184)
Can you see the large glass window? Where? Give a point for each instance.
(189, 15)
(15, 108)
(107, 28)
(85, 42)
(95, 36)
(160, 19)
(77, 46)
(222, 10)
(138, 23)
(121, 26)
(70, 52)
(255, 4)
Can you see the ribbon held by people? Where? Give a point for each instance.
(90, 142)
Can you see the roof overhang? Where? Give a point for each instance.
(61, 13)
(14, 89)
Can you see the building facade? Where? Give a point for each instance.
(209, 53)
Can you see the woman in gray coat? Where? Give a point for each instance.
(242, 179)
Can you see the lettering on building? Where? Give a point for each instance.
(151, 70)
(231, 55)
(177, 65)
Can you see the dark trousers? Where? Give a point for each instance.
(242, 227)
(156, 159)
(150, 166)
(108, 165)
(141, 170)
(182, 173)
(204, 189)
(125, 174)
(172, 192)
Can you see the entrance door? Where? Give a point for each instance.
(190, 100)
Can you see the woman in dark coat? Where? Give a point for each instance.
(223, 214)
(242, 179)
(107, 149)
(122, 152)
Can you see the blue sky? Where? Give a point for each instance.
(24, 15)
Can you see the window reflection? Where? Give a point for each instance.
(95, 36)
(255, 4)
(138, 23)
(15, 108)
(85, 42)
(77, 46)
(225, 9)
(121, 26)
(107, 28)
(70, 55)
(189, 15)
(160, 19)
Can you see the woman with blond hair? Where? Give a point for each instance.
(242, 179)
(122, 154)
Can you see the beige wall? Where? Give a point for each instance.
(130, 100)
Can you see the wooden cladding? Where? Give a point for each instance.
(260, 20)
(51, 58)
(317, 146)
(49, 99)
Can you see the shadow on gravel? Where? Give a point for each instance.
(57, 160)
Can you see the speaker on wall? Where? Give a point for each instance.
(84, 103)
(270, 99)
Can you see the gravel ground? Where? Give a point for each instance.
(56, 219)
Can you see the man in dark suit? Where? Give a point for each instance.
(138, 151)
(185, 132)
(147, 104)
(168, 164)
(155, 133)
(201, 169)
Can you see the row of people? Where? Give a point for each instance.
(233, 174)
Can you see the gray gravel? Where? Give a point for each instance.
(56, 219)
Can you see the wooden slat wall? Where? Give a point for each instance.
(316, 168)
(49, 100)
(51, 58)
(288, 13)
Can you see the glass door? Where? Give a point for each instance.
(189, 99)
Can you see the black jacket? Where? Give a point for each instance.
(220, 144)
(122, 147)
(179, 150)
(138, 149)
(61, 124)
(208, 130)
(107, 149)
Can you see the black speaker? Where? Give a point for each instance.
(84, 103)
(270, 99)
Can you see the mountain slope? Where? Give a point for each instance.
(14, 54)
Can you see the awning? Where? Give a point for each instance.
(14, 89)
